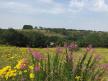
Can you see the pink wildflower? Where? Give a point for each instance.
(23, 79)
(59, 50)
(37, 55)
(37, 68)
(29, 50)
(97, 57)
(69, 57)
(65, 45)
(89, 48)
(72, 46)
(104, 66)
(24, 64)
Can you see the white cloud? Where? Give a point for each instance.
(52, 6)
(16, 7)
(45, 6)
(46, 1)
(57, 9)
(100, 5)
(45, 12)
(89, 5)
(76, 5)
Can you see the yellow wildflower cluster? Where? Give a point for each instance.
(7, 72)
(21, 68)
(32, 75)
(22, 64)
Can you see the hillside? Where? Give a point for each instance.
(43, 37)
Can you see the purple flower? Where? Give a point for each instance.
(23, 79)
(69, 58)
(24, 64)
(37, 68)
(89, 48)
(59, 50)
(97, 57)
(29, 50)
(37, 55)
(65, 45)
(104, 66)
(72, 46)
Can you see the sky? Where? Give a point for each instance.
(72, 14)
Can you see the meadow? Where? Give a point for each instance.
(10, 56)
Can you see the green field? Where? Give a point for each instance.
(11, 55)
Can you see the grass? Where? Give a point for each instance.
(10, 55)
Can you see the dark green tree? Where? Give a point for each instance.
(27, 27)
(13, 37)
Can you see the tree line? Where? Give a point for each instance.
(33, 37)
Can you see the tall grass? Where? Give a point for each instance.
(60, 66)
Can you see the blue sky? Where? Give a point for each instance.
(75, 14)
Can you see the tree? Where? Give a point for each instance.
(27, 27)
(13, 37)
(36, 27)
(94, 39)
(37, 39)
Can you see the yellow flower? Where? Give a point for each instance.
(25, 71)
(20, 72)
(11, 57)
(22, 64)
(32, 75)
(7, 72)
(31, 67)
(77, 78)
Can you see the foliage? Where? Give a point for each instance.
(27, 27)
(12, 37)
(42, 37)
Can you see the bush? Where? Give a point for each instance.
(12, 37)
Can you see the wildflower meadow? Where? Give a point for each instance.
(59, 64)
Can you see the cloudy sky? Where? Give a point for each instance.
(75, 14)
